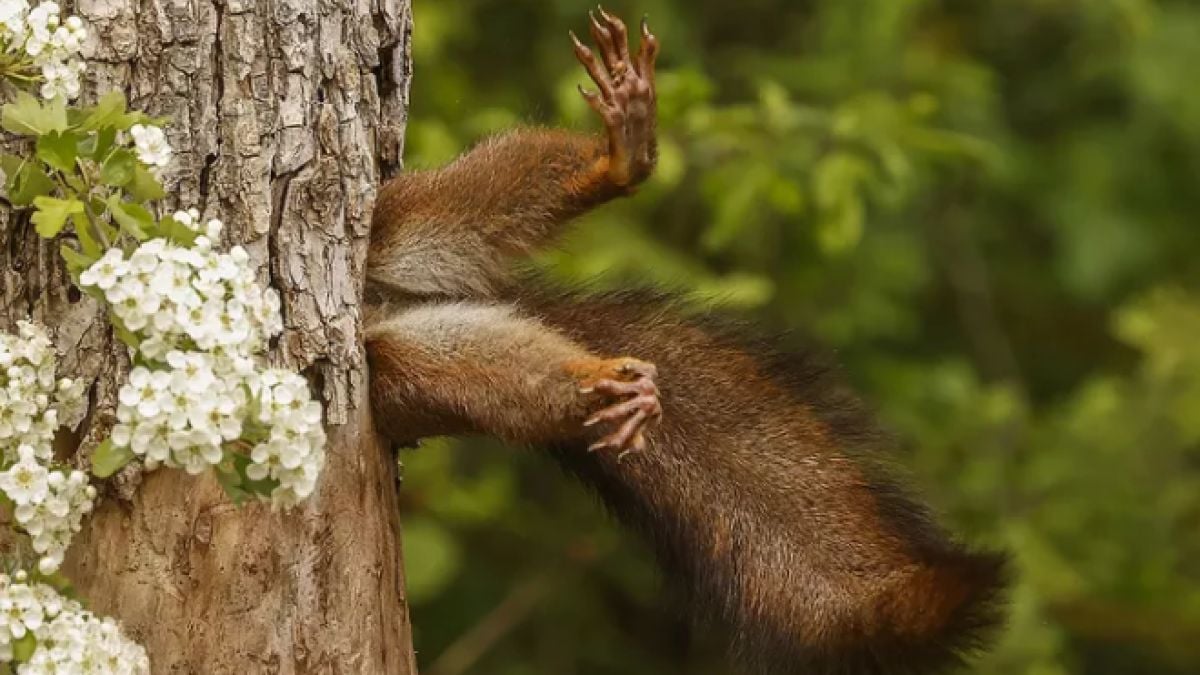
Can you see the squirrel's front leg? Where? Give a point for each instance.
(450, 232)
(465, 367)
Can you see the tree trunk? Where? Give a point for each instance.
(284, 116)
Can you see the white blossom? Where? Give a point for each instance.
(69, 639)
(25, 481)
(151, 145)
(32, 401)
(189, 218)
(104, 273)
(199, 394)
(62, 78)
(46, 42)
(187, 298)
(293, 452)
(49, 504)
(12, 18)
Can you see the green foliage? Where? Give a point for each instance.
(27, 116)
(987, 209)
(241, 488)
(108, 459)
(52, 214)
(23, 648)
(79, 178)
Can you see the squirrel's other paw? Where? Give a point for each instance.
(625, 99)
(629, 386)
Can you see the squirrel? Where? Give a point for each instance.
(748, 471)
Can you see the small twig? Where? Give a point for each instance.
(475, 643)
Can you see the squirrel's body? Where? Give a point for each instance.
(748, 472)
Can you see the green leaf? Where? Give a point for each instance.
(56, 114)
(123, 334)
(75, 182)
(230, 478)
(134, 219)
(58, 150)
(24, 648)
(52, 214)
(108, 459)
(177, 232)
(145, 185)
(117, 170)
(263, 487)
(28, 183)
(97, 144)
(58, 581)
(83, 231)
(76, 261)
(25, 116)
(108, 112)
(11, 163)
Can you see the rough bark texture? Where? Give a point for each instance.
(285, 114)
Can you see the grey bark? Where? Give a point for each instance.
(284, 116)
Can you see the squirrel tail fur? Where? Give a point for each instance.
(761, 499)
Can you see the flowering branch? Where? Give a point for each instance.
(195, 320)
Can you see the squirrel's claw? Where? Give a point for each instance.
(624, 438)
(592, 66)
(647, 53)
(630, 384)
(626, 99)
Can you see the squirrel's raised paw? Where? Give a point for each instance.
(626, 97)
(629, 385)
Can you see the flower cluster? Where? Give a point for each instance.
(49, 503)
(65, 637)
(51, 44)
(31, 399)
(199, 398)
(292, 451)
(187, 298)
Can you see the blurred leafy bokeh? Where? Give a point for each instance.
(988, 208)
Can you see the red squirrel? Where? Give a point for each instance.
(748, 471)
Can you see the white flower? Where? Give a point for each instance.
(46, 42)
(151, 145)
(41, 21)
(31, 401)
(103, 274)
(200, 392)
(70, 639)
(12, 18)
(61, 78)
(189, 219)
(50, 505)
(25, 481)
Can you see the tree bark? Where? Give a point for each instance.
(284, 116)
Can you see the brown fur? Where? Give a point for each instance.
(758, 489)
(432, 237)
(761, 496)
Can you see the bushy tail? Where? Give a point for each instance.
(928, 621)
(762, 496)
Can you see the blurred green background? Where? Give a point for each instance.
(987, 208)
